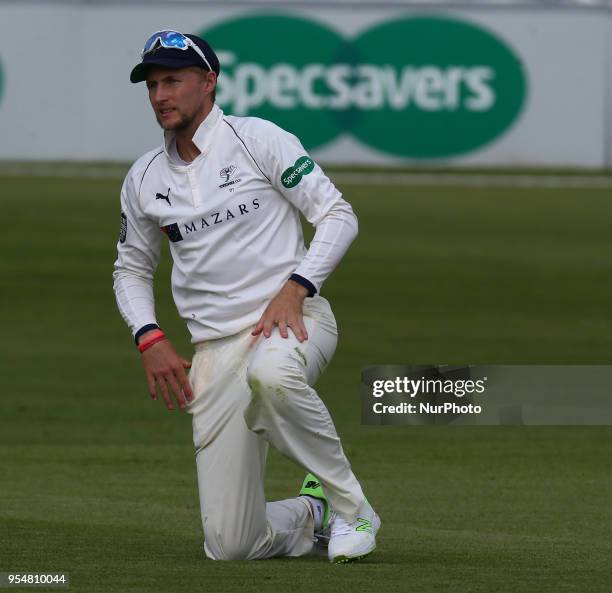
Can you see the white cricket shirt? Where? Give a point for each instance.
(231, 217)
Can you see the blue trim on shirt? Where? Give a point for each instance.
(305, 283)
(143, 330)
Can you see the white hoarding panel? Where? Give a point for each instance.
(470, 86)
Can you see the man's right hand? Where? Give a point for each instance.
(166, 369)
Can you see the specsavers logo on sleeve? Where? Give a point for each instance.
(293, 175)
(420, 87)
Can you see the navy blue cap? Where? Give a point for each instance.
(176, 58)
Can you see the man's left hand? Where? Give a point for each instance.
(284, 310)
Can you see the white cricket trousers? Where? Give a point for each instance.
(250, 392)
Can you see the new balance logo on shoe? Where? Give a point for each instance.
(364, 525)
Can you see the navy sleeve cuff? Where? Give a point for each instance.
(305, 283)
(143, 330)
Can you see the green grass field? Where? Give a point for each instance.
(98, 481)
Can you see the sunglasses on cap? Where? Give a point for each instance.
(172, 40)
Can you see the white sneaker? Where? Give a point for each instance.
(353, 541)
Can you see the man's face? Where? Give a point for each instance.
(179, 97)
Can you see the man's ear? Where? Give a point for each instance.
(210, 76)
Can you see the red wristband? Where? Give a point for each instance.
(156, 336)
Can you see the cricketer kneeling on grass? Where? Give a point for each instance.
(227, 192)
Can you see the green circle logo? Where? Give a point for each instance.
(452, 88)
(419, 87)
(283, 79)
